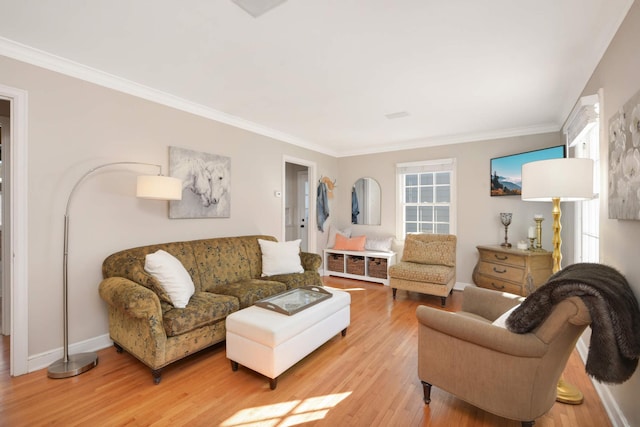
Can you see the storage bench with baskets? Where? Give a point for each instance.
(371, 266)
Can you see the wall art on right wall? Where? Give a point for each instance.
(624, 161)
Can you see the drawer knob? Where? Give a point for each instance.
(499, 271)
(496, 286)
(501, 258)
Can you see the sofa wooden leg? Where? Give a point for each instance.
(234, 366)
(426, 390)
(528, 423)
(394, 290)
(273, 383)
(156, 373)
(443, 301)
(344, 332)
(118, 348)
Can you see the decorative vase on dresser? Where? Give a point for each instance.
(512, 270)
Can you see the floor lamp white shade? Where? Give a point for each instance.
(159, 187)
(568, 179)
(153, 187)
(556, 180)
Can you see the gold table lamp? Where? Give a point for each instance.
(559, 180)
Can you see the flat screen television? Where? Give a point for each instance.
(506, 171)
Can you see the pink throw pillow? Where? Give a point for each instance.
(350, 244)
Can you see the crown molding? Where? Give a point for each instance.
(455, 139)
(30, 55)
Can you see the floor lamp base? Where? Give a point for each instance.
(77, 364)
(568, 393)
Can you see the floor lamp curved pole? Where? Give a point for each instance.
(157, 187)
(559, 180)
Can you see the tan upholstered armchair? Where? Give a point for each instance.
(428, 265)
(510, 375)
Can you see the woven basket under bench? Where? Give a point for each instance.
(335, 262)
(377, 267)
(355, 265)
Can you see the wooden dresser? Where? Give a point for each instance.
(512, 270)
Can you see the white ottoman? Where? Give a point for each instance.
(270, 343)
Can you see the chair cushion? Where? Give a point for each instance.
(439, 274)
(204, 308)
(437, 253)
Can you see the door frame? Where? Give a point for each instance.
(15, 235)
(302, 176)
(311, 225)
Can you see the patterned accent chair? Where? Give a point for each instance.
(428, 265)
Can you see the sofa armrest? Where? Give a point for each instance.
(130, 297)
(310, 261)
(487, 303)
(477, 332)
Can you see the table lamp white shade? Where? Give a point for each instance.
(159, 187)
(568, 179)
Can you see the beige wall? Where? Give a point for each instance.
(478, 220)
(618, 75)
(73, 126)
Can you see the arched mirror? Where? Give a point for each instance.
(365, 202)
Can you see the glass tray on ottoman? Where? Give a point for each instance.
(295, 300)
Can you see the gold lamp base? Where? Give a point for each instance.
(568, 393)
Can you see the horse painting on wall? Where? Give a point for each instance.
(206, 189)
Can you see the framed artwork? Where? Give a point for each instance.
(624, 161)
(206, 184)
(506, 171)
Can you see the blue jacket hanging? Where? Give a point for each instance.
(355, 208)
(322, 209)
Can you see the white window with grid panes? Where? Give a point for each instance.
(583, 136)
(426, 202)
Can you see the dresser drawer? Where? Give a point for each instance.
(501, 272)
(502, 258)
(511, 270)
(497, 284)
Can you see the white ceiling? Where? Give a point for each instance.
(324, 74)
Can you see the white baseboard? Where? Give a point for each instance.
(616, 416)
(43, 360)
(459, 286)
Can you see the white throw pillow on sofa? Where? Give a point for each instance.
(173, 277)
(280, 257)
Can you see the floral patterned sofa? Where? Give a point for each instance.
(226, 274)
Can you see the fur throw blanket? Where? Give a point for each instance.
(615, 340)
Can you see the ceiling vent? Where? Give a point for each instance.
(256, 8)
(397, 115)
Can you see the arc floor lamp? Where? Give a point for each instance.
(559, 180)
(157, 187)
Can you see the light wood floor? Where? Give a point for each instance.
(367, 378)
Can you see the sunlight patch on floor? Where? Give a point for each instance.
(283, 414)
